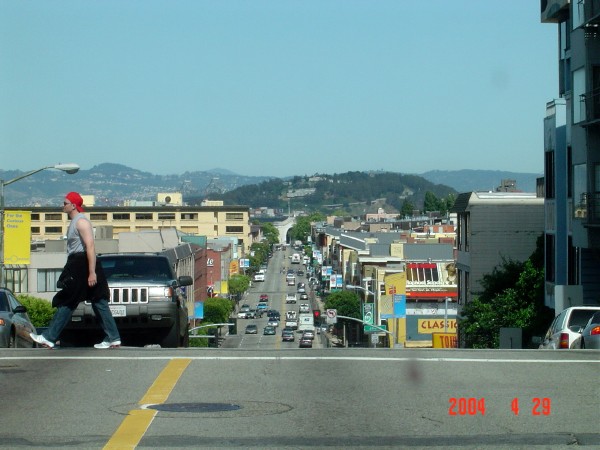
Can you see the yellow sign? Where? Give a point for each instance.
(234, 267)
(428, 326)
(444, 340)
(17, 237)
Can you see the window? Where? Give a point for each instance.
(143, 216)
(577, 14)
(569, 172)
(580, 191)
(98, 216)
(189, 216)
(232, 229)
(53, 230)
(53, 216)
(166, 216)
(16, 279)
(579, 95)
(234, 216)
(549, 173)
(35, 230)
(550, 255)
(35, 216)
(46, 279)
(121, 216)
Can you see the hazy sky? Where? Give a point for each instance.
(275, 87)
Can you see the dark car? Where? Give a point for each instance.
(269, 330)
(251, 329)
(287, 335)
(305, 343)
(15, 325)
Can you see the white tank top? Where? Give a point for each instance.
(74, 242)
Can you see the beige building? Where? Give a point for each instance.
(211, 221)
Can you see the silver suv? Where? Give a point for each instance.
(146, 301)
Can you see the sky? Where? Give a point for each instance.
(275, 87)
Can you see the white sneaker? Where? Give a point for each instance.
(40, 339)
(107, 344)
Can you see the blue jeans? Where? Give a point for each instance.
(63, 316)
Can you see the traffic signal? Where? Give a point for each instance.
(316, 314)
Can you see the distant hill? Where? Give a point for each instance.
(356, 192)
(114, 183)
(481, 180)
(350, 193)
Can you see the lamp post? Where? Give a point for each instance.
(374, 312)
(69, 168)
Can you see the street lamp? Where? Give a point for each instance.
(69, 168)
(374, 323)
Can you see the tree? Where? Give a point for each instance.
(217, 310)
(347, 303)
(238, 284)
(407, 209)
(431, 202)
(301, 230)
(270, 232)
(512, 296)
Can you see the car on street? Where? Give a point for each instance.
(251, 314)
(304, 296)
(15, 325)
(264, 298)
(291, 282)
(565, 330)
(269, 330)
(274, 322)
(304, 308)
(273, 313)
(288, 335)
(245, 307)
(305, 343)
(251, 329)
(262, 306)
(242, 315)
(590, 336)
(290, 298)
(308, 334)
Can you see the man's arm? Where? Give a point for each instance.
(87, 237)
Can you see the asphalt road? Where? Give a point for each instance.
(297, 398)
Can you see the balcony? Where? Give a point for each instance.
(591, 102)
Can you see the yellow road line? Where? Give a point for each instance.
(137, 422)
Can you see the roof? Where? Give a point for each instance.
(467, 199)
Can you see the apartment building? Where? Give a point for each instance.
(572, 157)
(493, 226)
(210, 221)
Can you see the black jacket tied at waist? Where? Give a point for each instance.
(73, 282)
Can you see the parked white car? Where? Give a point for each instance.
(565, 330)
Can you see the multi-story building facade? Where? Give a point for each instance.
(493, 226)
(572, 157)
(210, 221)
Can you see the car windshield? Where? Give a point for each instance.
(151, 268)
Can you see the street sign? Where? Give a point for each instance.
(375, 328)
(331, 316)
(368, 313)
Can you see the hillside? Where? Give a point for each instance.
(350, 193)
(354, 192)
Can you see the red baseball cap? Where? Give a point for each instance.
(76, 199)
